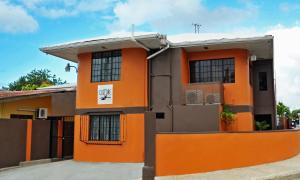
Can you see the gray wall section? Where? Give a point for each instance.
(40, 139)
(63, 104)
(12, 142)
(264, 101)
(195, 118)
(167, 96)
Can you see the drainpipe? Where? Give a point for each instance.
(158, 52)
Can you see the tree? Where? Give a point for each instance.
(35, 79)
(295, 114)
(283, 110)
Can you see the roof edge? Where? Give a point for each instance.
(220, 41)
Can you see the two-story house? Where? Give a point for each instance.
(186, 84)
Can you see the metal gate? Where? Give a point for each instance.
(68, 138)
(62, 137)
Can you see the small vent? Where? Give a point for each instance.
(194, 97)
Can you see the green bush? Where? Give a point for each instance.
(263, 125)
(227, 116)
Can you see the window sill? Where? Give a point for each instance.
(104, 142)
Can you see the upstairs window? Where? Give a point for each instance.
(215, 70)
(105, 128)
(262, 79)
(106, 66)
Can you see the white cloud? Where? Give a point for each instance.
(15, 19)
(64, 8)
(173, 15)
(287, 64)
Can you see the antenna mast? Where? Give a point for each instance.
(196, 27)
(132, 30)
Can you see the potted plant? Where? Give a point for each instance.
(227, 116)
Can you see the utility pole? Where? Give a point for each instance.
(197, 28)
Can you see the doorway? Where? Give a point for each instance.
(61, 137)
(263, 118)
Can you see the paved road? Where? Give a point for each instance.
(72, 170)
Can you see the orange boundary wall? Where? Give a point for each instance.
(194, 153)
(28, 140)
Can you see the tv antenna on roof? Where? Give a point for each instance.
(132, 30)
(197, 27)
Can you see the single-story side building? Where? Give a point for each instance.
(36, 124)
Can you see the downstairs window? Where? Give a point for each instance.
(105, 127)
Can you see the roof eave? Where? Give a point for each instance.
(220, 41)
(56, 50)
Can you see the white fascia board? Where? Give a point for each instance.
(220, 41)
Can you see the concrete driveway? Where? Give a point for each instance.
(65, 170)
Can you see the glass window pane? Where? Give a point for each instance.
(214, 70)
(105, 128)
(105, 65)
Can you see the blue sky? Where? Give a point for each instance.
(26, 25)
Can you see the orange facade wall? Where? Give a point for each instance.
(238, 93)
(194, 153)
(129, 91)
(131, 149)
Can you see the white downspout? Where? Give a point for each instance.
(158, 52)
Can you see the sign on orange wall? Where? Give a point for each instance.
(105, 94)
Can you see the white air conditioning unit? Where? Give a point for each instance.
(42, 113)
(212, 98)
(193, 97)
(252, 58)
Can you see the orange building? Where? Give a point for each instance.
(185, 84)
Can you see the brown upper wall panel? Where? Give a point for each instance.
(63, 104)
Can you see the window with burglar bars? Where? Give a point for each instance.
(215, 70)
(106, 66)
(104, 128)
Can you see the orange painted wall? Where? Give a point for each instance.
(130, 91)
(7, 108)
(194, 153)
(238, 93)
(28, 139)
(131, 150)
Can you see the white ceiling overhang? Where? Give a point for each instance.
(261, 47)
(70, 51)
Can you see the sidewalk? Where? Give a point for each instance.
(288, 169)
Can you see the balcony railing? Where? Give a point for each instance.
(204, 93)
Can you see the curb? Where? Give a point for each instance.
(37, 162)
(287, 176)
(9, 168)
(31, 163)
